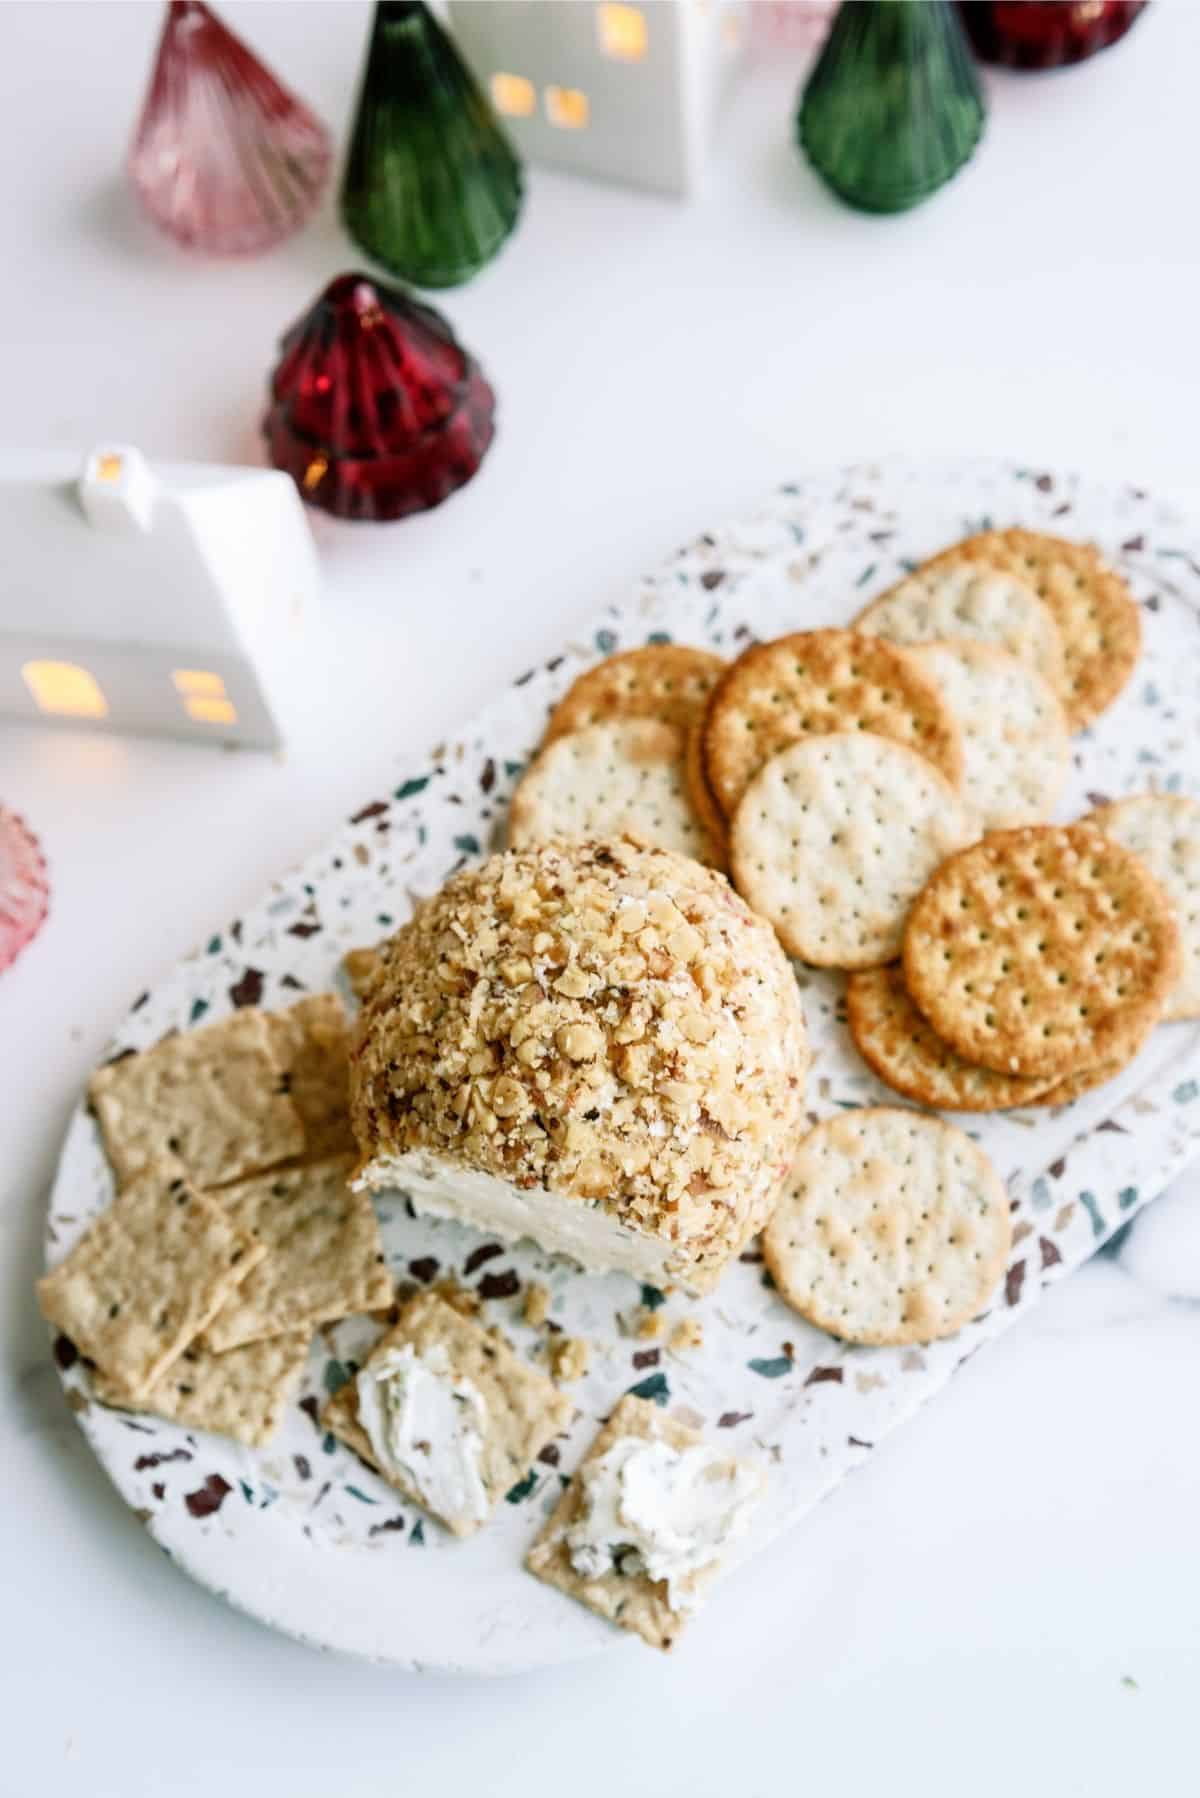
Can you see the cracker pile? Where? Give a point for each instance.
(620, 758)
(234, 1231)
(880, 794)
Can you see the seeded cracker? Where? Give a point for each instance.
(212, 1098)
(1164, 830)
(1016, 745)
(148, 1277)
(943, 603)
(626, 778)
(667, 681)
(1065, 1092)
(242, 1394)
(325, 1255)
(707, 811)
(812, 683)
(908, 1055)
(1098, 620)
(523, 1409)
(311, 1041)
(1042, 951)
(631, 1599)
(834, 838)
(892, 1227)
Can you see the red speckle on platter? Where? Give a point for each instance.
(24, 887)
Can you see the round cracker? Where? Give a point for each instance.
(1042, 951)
(700, 793)
(833, 840)
(1065, 1092)
(810, 684)
(1016, 743)
(623, 779)
(1097, 616)
(1164, 829)
(667, 681)
(986, 605)
(908, 1055)
(891, 1227)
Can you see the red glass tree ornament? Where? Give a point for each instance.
(24, 887)
(1045, 34)
(224, 158)
(376, 409)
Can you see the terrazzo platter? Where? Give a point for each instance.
(303, 1536)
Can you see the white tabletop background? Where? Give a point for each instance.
(1008, 1595)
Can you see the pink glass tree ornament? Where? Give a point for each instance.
(24, 887)
(224, 159)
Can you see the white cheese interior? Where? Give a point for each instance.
(425, 1425)
(667, 1512)
(560, 1225)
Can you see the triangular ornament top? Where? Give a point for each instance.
(893, 107)
(432, 185)
(376, 409)
(224, 158)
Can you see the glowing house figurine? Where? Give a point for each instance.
(622, 92)
(168, 602)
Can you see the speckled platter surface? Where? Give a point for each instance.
(300, 1534)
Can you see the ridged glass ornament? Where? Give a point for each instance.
(432, 185)
(24, 887)
(224, 158)
(893, 108)
(376, 409)
(1045, 34)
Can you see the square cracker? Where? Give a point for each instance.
(151, 1272)
(311, 1043)
(212, 1098)
(633, 1600)
(241, 1394)
(524, 1409)
(325, 1256)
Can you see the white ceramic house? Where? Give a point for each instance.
(169, 601)
(621, 91)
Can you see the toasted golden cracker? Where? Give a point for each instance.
(892, 1227)
(212, 1099)
(148, 1276)
(1042, 951)
(522, 1409)
(624, 779)
(325, 1257)
(623, 1595)
(813, 683)
(966, 601)
(1088, 1080)
(242, 1394)
(1164, 829)
(834, 838)
(666, 681)
(1097, 616)
(908, 1055)
(1016, 744)
(707, 811)
(311, 1041)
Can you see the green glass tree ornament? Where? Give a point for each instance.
(432, 186)
(892, 108)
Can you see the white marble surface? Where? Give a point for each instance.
(1008, 1594)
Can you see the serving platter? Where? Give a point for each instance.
(302, 1535)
